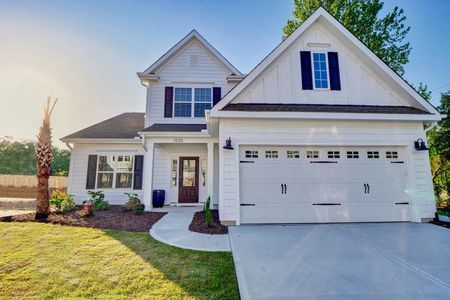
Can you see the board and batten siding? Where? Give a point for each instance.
(325, 133)
(78, 170)
(193, 66)
(281, 82)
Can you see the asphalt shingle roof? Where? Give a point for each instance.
(123, 126)
(176, 127)
(336, 108)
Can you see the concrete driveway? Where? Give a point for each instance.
(346, 261)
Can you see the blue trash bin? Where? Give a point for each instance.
(159, 197)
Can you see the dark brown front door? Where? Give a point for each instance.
(188, 180)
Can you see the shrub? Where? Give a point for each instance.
(62, 201)
(207, 212)
(134, 204)
(98, 200)
(87, 210)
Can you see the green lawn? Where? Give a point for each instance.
(46, 261)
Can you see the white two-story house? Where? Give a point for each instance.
(321, 130)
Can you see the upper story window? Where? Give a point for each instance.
(191, 102)
(320, 70)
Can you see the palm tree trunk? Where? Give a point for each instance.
(44, 160)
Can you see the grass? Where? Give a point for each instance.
(44, 261)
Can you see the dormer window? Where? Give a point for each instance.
(320, 70)
(192, 102)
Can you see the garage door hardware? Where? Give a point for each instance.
(397, 162)
(401, 203)
(323, 162)
(326, 204)
(366, 188)
(247, 204)
(246, 161)
(283, 188)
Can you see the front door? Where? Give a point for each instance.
(188, 180)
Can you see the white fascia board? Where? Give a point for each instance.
(320, 13)
(174, 134)
(184, 41)
(136, 140)
(324, 116)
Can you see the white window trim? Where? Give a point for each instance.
(192, 102)
(327, 71)
(114, 172)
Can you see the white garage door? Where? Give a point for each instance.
(323, 184)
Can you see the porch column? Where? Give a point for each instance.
(148, 176)
(210, 172)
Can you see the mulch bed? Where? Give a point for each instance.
(114, 218)
(198, 224)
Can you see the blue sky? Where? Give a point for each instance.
(88, 52)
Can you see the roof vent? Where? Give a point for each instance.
(193, 61)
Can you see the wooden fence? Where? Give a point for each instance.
(57, 182)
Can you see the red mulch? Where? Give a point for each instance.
(114, 218)
(198, 224)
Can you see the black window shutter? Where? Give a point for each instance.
(168, 102)
(217, 95)
(138, 171)
(91, 172)
(305, 62)
(333, 69)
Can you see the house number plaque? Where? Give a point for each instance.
(178, 140)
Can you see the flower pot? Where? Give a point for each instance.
(159, 197)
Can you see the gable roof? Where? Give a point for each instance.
(324, 16)
(123, 126)
(193, 35)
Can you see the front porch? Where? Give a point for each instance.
(185, 168)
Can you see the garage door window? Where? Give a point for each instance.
(334, 154)
(293, 154)
(251, 154)
(271, 154)
(391, 154)
(312, 154)
(352, 154)
(373, 154)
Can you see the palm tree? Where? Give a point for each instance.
(44, 160)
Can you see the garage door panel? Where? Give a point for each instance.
(323, 189)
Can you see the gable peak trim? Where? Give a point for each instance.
(192, 35)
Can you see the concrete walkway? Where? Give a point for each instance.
(342, 261)
(173, 229)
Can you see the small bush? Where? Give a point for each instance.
(138, 209)
(62, 201)
(98, 200)
(87, 210)
(207, 212)
(134, 204)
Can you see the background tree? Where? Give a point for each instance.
(44, 160)
(19, 158)
(383, 35)
(439, 144)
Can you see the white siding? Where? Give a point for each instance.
(355, 133)
(209, 72)
(164, 154)
(281, 81)
(78, 170)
